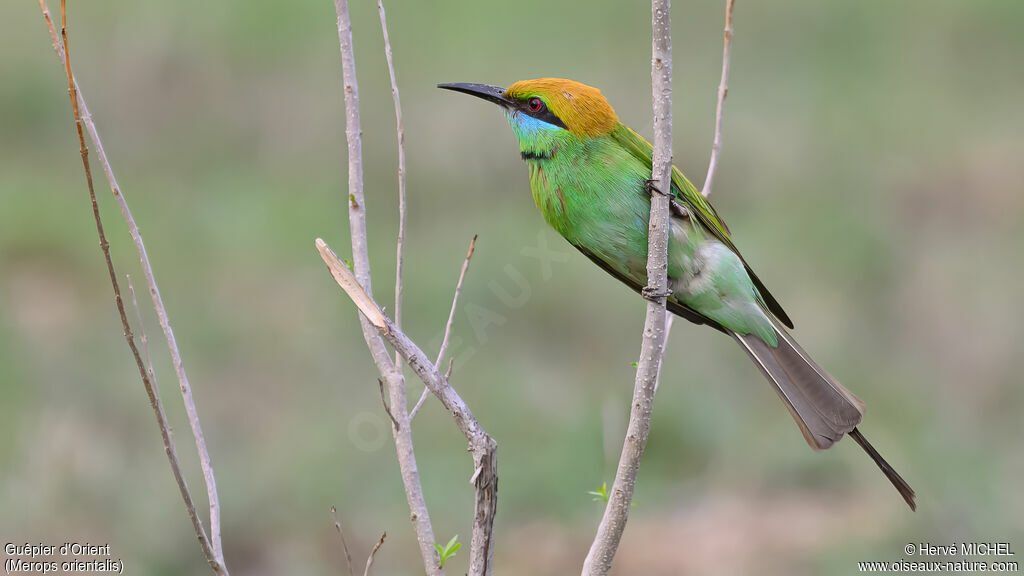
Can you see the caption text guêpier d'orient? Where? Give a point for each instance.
(43, 558)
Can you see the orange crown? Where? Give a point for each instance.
(582, 108)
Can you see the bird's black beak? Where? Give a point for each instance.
(494, 94)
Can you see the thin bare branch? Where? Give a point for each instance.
(419, 403)
(448, 326)
(455, 302)
(400, 250)
(669, 321)
(384, 401)
(723, 91)
(392, 375)
(652, 349)
(142, 330)
(481, 445)
(371, 318)
(373, 553)
(344, 544)
(83, 119)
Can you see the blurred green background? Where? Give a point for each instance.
(872, 172)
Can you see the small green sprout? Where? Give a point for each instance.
(601, 494)
(449, 549)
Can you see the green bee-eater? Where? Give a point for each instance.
(590, 174)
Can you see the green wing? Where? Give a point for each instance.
(686, 193)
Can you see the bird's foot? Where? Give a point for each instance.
(653, 295)
(678, 209)
(650, 188)
(674, 205)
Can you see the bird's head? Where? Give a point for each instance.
(546, 111)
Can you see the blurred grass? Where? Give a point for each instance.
(871, 172)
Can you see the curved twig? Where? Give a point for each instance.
(373, 553)
(723, 91)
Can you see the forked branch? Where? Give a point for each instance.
(389, 372)
(481, 445)
(357, 284)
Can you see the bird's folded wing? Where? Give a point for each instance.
(684, 191)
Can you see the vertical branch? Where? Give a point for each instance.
(392, 376)
(354, 138)
(376, 326)
(212, 551)
(400, 250)
(723, 91)
(609, 533)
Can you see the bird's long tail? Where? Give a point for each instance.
(822, 408)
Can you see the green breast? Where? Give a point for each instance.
(591, 192)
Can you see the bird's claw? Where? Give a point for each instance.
(650, 188)
(678, 209)
(653, 295)
(674, 205)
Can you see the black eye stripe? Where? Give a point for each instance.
(543, 114)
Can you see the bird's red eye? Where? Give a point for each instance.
(535, 104)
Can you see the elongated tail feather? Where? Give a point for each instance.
(822, 408)
(901, 485)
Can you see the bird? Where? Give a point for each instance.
(590, 175)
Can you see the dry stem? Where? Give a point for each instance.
(344, 544)
(481, 445)
(723, 91)
(447, 327)
(392, 375)
(142, 330)
(384, 401)
(212, 550)
(373, 553)
(400, 129)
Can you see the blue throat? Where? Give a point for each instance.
(538, 140)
